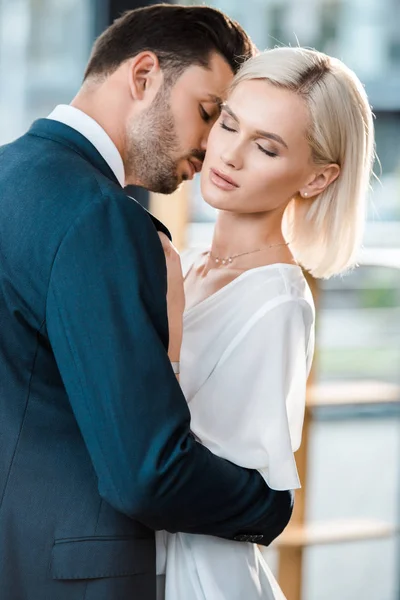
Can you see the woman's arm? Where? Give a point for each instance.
(175, 299)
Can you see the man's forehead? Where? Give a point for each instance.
(220, 72)
(209, 82)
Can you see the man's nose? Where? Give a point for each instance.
(206, 132)
(204, 140)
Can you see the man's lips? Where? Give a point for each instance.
(222, 181)
(195, 166)
(198, 164)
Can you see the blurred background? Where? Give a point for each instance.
(343, 542)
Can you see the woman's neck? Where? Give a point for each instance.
(238, 233)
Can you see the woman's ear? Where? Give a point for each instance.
(321, 180)
(145, 76)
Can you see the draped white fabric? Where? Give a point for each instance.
(246, 355)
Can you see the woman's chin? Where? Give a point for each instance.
(217, 204)
(214, 197)
(208, 200)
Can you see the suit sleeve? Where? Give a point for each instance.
(107, 324)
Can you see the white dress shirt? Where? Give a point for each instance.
(92, 131)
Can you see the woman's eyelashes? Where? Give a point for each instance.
(224, 126)
(268, 152)
(264, 150)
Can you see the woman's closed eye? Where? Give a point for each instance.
(267, 152)
(225, 126)
(264, 150)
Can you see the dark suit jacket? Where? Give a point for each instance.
(95, 443)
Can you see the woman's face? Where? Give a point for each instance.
(257, 156)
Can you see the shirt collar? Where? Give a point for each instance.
(91, 130)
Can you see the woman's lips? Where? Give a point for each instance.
(222, 181)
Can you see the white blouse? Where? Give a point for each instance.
(246, 355)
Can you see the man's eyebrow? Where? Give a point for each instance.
(266, 134)
(215, 99)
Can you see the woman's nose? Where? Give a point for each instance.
(232, 156)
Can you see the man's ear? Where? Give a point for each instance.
(145, 76)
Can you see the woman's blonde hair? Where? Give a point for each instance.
(325, 231)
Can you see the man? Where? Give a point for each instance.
(95, 444)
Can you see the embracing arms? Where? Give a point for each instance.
(107, 324)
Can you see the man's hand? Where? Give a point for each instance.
(175, 297)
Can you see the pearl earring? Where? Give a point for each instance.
(305, 194)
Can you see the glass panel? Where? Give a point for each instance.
(44, 45)
(359, 326)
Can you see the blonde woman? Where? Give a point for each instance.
(287, 167)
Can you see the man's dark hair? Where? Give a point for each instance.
(180, 36)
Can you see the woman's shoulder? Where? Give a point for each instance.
(295, 283)
(281, 289)
(281, 281)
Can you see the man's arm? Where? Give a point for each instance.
(107, 324)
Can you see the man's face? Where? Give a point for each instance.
(167, 144)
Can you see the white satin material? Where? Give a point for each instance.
(246, 355)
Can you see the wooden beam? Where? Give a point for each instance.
(173, 211)
(342, 393)
(334, 532)
(291, 559)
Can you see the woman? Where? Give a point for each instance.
(288, 167)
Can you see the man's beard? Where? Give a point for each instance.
(151, 145)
